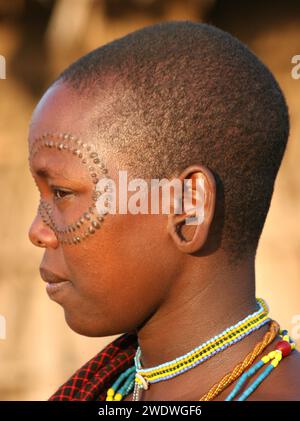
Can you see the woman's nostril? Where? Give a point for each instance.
(34, 236)
(41, 235)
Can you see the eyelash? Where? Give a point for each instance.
(60, 192)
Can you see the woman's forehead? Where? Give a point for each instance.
(63, 110)
(66, 121)
(58, 152)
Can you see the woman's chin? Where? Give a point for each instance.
(84, 326)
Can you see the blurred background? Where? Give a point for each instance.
(38, 39)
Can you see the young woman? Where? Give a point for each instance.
(176, 100)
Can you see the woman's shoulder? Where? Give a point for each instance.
(283, 383)
(91, 381)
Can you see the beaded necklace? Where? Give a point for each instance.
(138, 378)
(282, 349)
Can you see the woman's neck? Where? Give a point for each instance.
(198, 307)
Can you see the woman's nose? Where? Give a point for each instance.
(41, 235)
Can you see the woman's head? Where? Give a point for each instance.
(119, 266)
(173, 99)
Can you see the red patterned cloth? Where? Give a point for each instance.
(91, 381)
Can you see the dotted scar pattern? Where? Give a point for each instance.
(90, 221)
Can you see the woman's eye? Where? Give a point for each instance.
(59, 193)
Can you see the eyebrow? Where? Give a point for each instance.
(46, 172)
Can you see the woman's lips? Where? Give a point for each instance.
(54, 288)
(55, 283)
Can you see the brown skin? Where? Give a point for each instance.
(136, 273)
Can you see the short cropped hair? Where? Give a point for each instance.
(189, 93)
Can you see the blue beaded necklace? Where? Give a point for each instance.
(136, 377)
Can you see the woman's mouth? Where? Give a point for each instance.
(55, 283)
(55, 288)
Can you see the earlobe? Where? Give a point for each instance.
(191, 238)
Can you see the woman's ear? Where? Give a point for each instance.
(189, 228)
